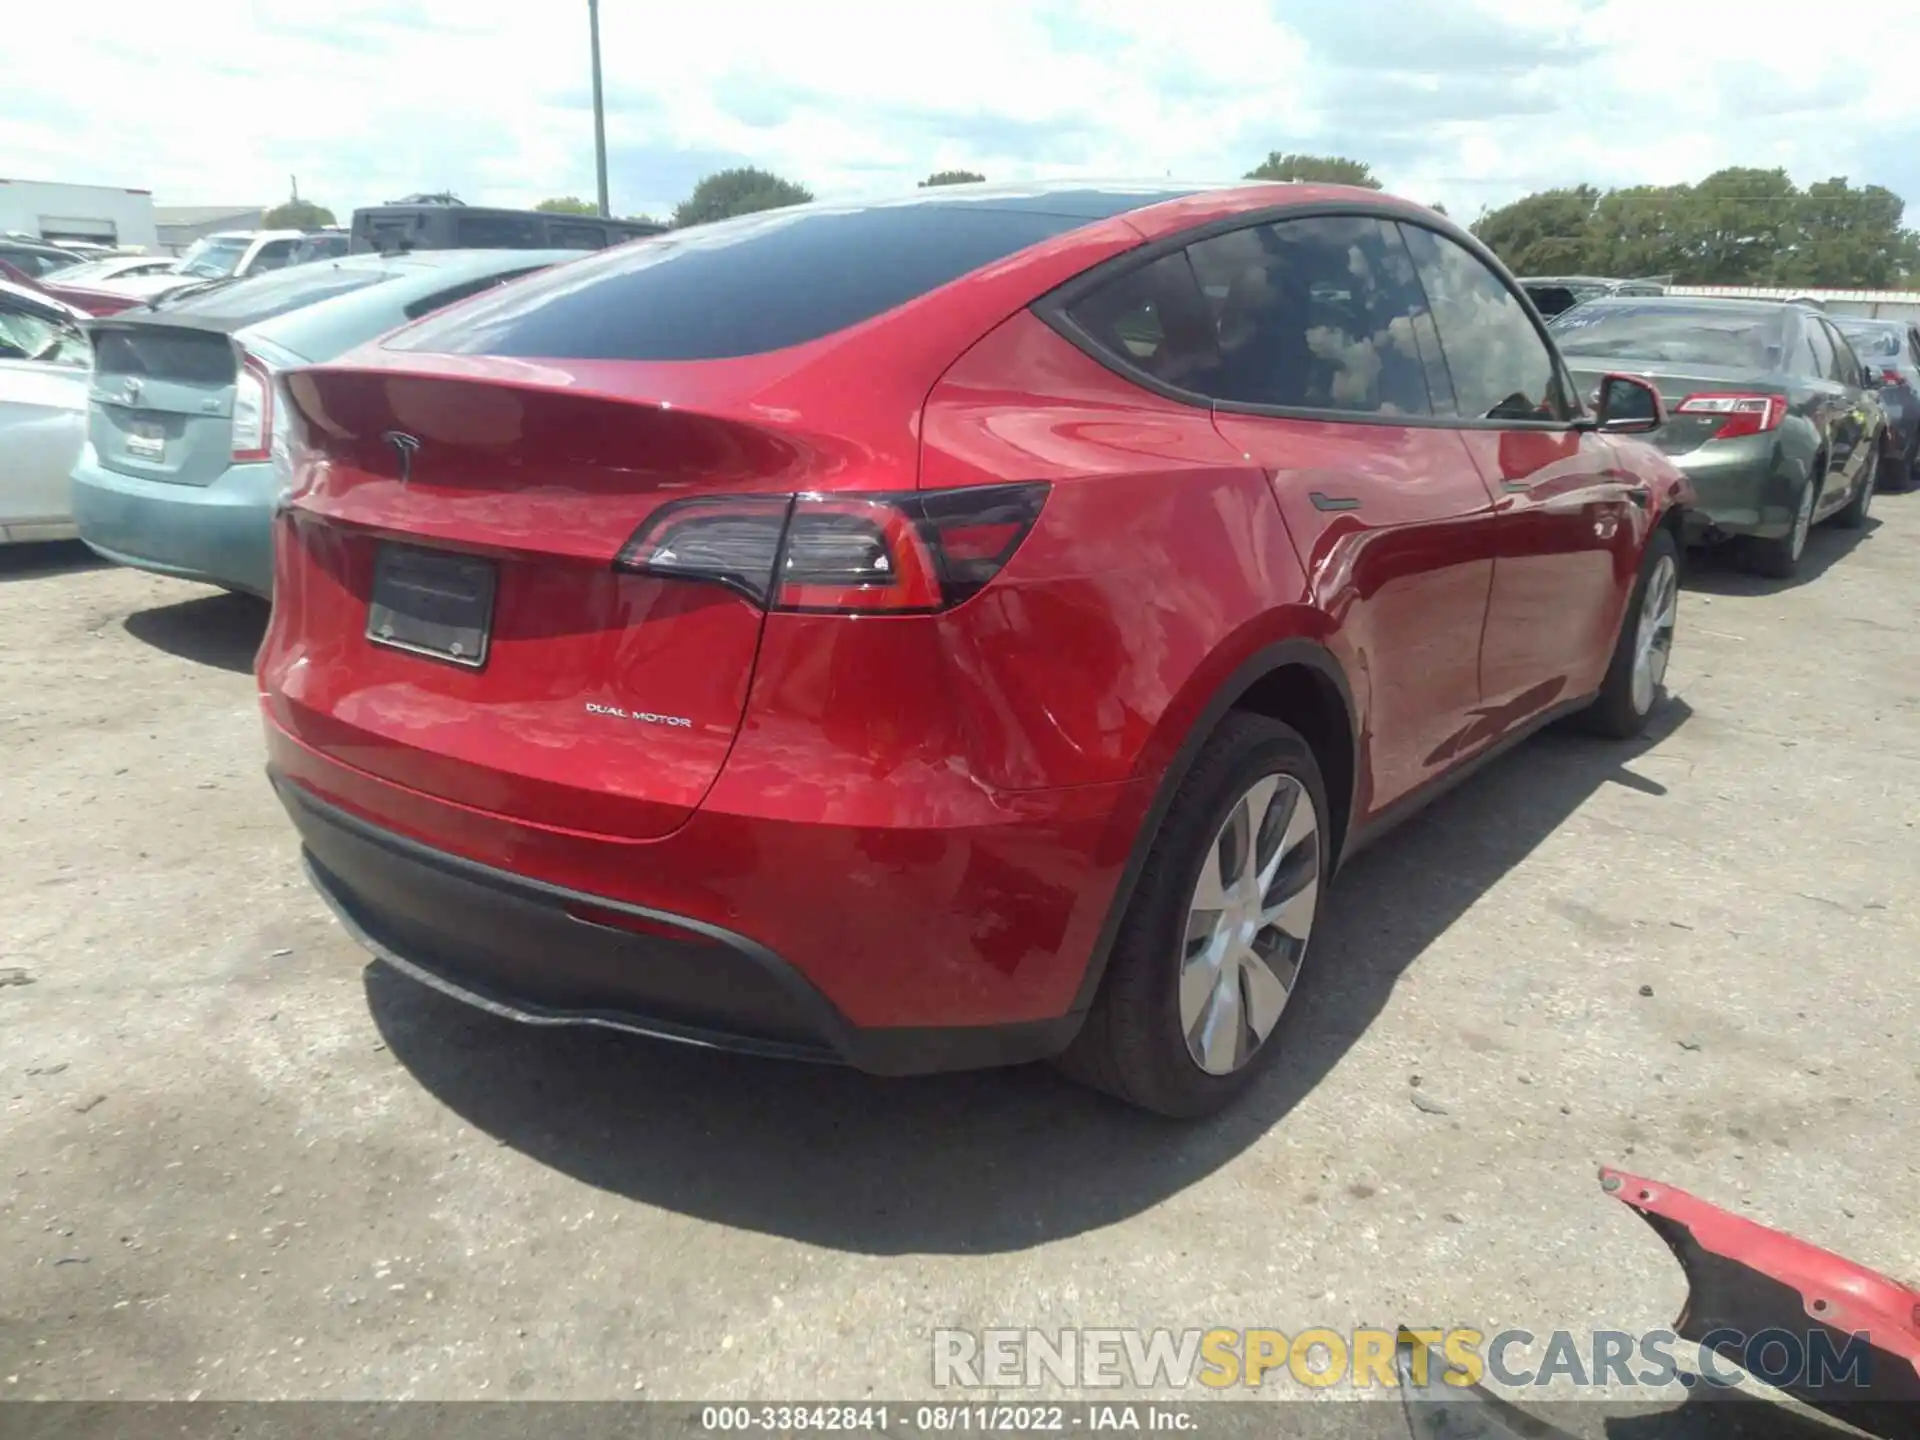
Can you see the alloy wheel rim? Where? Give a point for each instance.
(1653, 640)
(1802, 521)
(1248, 921)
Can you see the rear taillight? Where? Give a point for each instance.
(1891, 376)
(287, 437)
(1742, 414)
(252, 410)
(902, 554)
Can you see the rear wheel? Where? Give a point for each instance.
(1897, 472)
(1858, 503)
(1214, 938)
(1780, 557)
(1637, 675)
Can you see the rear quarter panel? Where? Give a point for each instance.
(1160, 563)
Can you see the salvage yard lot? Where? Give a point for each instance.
(241, 1162)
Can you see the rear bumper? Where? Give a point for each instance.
(545, 954)
(1745, 491)
(218, 534)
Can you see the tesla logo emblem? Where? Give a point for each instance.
(404, 446)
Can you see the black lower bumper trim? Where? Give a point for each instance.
(532, 952)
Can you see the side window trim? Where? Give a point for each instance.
(1445, 406)
(1563, 381)
(1847, 366)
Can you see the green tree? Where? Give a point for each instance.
(568, 205)
(952, 177)
(1543, 234)
(1738, 226)
(297, 214)
(741, 191)
(1735, 223)
(1640, 231)
(1327, 169)
(1841, 231)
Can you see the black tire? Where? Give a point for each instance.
(1614, 712)
(1897, 471)
(1132, 1045)
(1779, 558)
(1854, 514)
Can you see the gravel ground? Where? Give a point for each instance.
(244, 1163)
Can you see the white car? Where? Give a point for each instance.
(112, 267)
(239, 252)
(225, 255)
(45, 368)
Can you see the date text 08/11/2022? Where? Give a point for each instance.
(945, 1419)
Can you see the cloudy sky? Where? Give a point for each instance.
(1467, 102)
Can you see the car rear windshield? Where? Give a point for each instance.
(739, 287)
(1686, 335)
(246, 302)
(1872, 340)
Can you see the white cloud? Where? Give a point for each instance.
(1466, 103)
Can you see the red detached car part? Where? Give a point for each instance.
(1744, 1277)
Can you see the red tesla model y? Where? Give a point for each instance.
(947, 632)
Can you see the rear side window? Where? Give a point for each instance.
(1872, 340)
(498, 232)
(567, 235)
(738, 287)
(1317, 314)
(1501, 367)
(1154, 320)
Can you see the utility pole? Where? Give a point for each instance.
(599, 108)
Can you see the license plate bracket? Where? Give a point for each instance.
(433, 604)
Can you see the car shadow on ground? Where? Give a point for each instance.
(34, 559)
(972, 1163)
(222, 630)
(1722, 570)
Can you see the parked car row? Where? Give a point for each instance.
(44, 365)
(1552, 294)
(176, 475)
(1771, 413)
(955, 631)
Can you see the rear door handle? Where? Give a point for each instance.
(1332, 502)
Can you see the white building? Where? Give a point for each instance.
(181, 225)
(1866, 304)
(104, 214)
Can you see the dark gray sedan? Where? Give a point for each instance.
(1890, 349)
(1770, 412)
